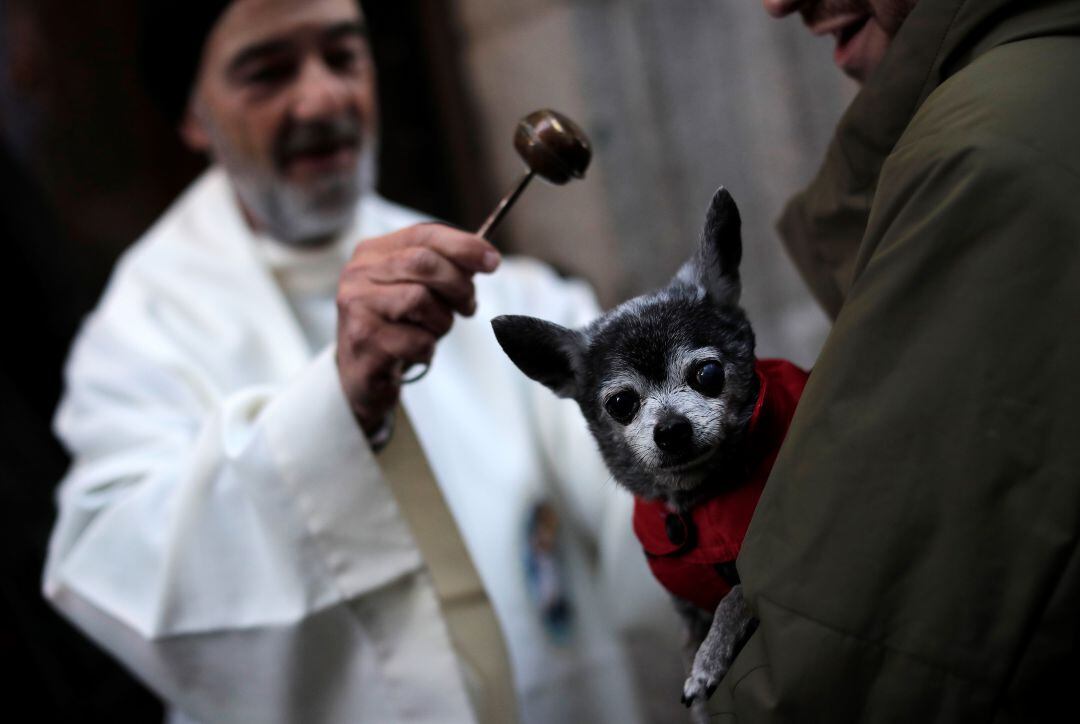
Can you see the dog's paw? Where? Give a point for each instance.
(711, 662)
(699, 687)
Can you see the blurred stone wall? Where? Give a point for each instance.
(679, 97)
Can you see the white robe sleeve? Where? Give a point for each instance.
(232, 547)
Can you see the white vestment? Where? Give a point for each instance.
(225, 530)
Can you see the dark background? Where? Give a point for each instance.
(86, 165)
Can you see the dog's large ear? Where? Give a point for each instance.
(716, 265)
(550, 354)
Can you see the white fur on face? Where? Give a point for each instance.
(674, 395)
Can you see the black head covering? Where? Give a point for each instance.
(172, 34)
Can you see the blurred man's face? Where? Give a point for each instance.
(285, 101)
(863, 28)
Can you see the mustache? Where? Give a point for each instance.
(318, 136)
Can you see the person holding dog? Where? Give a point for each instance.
(914, 557)
(250, 524)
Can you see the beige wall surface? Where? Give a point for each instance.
(678, 97)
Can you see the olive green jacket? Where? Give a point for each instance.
(914, 558)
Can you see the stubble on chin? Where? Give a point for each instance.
(302, 213)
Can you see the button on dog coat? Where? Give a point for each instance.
(693, 553)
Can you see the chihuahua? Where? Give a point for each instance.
(687, 419)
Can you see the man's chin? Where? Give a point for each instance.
(307, 209)
(308, 169)
(332, 193)
(861, 55)
(312, 213)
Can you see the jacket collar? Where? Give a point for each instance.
(823, 225)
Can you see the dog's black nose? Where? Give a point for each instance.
(673, 434)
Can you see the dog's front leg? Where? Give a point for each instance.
(732, 624)
(696, 625)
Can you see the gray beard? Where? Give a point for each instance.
(306, 216)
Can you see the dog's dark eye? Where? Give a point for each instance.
(623, 406)
(708, 378)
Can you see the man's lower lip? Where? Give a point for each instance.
(335, 160)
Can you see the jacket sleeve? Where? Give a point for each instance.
(209, 538)
(920, 523)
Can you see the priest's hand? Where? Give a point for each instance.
(396, 298)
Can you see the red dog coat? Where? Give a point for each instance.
(693, 554)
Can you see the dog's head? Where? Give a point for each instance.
(665, 380)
